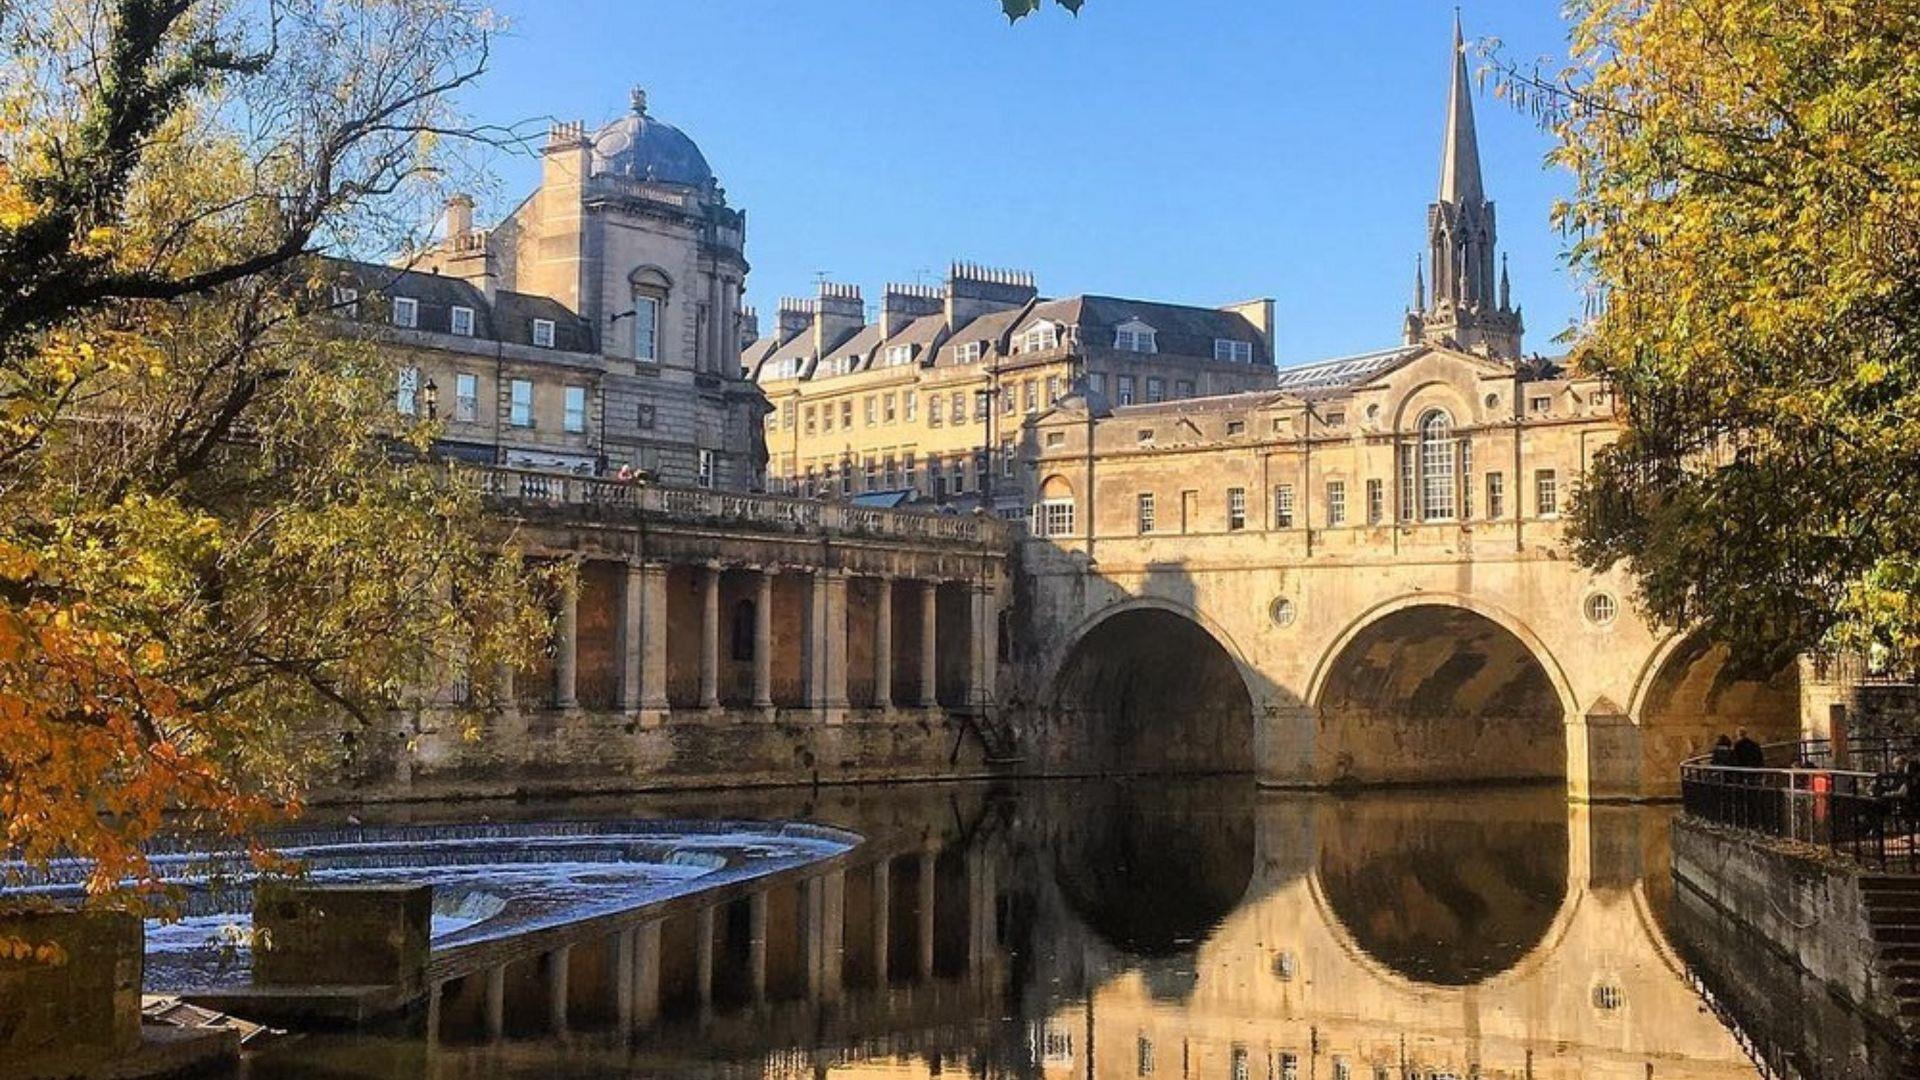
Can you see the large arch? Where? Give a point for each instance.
(1693, 690)
(1146, 688)
(1430, 690)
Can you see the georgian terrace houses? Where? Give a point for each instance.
(927, 403)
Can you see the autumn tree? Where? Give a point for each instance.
(215, 543)
(1747, 210)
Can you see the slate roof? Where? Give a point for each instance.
(509, 318)
(1179, 330)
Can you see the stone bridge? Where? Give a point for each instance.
(1352, 584)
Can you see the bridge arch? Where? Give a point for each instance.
(1692, 690)
(1435, 687)
(1152, 686)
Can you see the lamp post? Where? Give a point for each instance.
(430, 394)
(985, 402)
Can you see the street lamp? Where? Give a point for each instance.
(430, 394)
(986, 402)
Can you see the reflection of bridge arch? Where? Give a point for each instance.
(1156, 687)
(1439, 894)
(1443, 683)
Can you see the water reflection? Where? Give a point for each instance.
(1101, 930)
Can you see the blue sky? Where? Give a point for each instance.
(1197, 151)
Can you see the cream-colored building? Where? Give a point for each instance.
(596, 326)
(929, 401)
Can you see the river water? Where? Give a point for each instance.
(1198, 929)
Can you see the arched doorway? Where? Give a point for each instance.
(1149, 690)
(1434, 693)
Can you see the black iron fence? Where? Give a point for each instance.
(1860, 801)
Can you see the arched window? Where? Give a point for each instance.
(1438, 483)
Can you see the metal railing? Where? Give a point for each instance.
(615, 498)
(1858, 803)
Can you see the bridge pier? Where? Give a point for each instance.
(646, 973)
(496, 1003)
(557, 965)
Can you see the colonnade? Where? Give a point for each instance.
(815, 634)
(892, 924)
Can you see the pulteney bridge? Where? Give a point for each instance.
(1361, 577)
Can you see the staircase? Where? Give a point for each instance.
(989, 724)
(1893, 914)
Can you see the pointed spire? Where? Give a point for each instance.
(1460, 157)
(1506, 286)
(1419, 283)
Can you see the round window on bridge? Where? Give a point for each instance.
(1602, 609)
(1282, 612)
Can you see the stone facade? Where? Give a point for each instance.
(928, 403)
(596, 327)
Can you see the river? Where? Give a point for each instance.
(1193, 929)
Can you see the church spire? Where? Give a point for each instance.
(1419, 284)
(1460, 155)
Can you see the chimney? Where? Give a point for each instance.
(749, 326)
(795, 317)
(905, 303)
(974, 290)
(459, 218)
(837, 313)
(1260, 314)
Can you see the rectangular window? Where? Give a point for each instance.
(846, 413)
(890, 408)
(1055, 518)
(1030, 393)
(1283, 506)
(1144, 512)
(1006, 458)
(1182, 389)
(1496, 496)
(1289, 1066)
(872, 406)
(959, 407)
(543, 333)
(787, 410)
(346, 301)
(466, 397)
(708, 468)
(968, 353)
(913, 405)
(1156, 389)
(406, 392)
(406, 312)
(1241, 1070)
(1376, 502)
(909, 473)
(644, 416)
(576, 413)
(958, 471)
(1236, 427)
(1336, 503)
(460, 321)
(1053, 389)
(899, 355)
(937, 477)
(1408, 504)
(1233, 352)
(982, 405)
(846, 478)
(1144, 1057)
(1126, 389)
(892, 471)
(1546, 493)
(936, 410)
(520, 403)
(873, 474)
(1466, 478)
(1236, 509)
(646, 329)
(811, 416)
(1056, 439)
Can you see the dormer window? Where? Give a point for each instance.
(346, 301)
(967, 353)
(899, 355)
(1135, 336)
(543, 333)
(1040, 337)
(406, 312)
(1230, 351)
(460, 321)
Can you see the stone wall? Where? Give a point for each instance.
(77, 1003)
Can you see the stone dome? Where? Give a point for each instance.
(638, 146)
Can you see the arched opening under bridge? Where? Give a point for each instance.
(1434, 693)
(1151, 691)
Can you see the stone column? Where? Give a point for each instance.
(927, 879)
(929, 630)
(496, 1006)
(983, 632)
(835, 642)
(763, 642)
(703, 961)
(646, 974)
(833, 922)
(710, 639)
(882, 913)
(503, 685)
(757, 946)
(815, 657)
(558, 963)
(654, 705)
(623, 979)
(883, 647)
(632, 636)
(566, 664)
